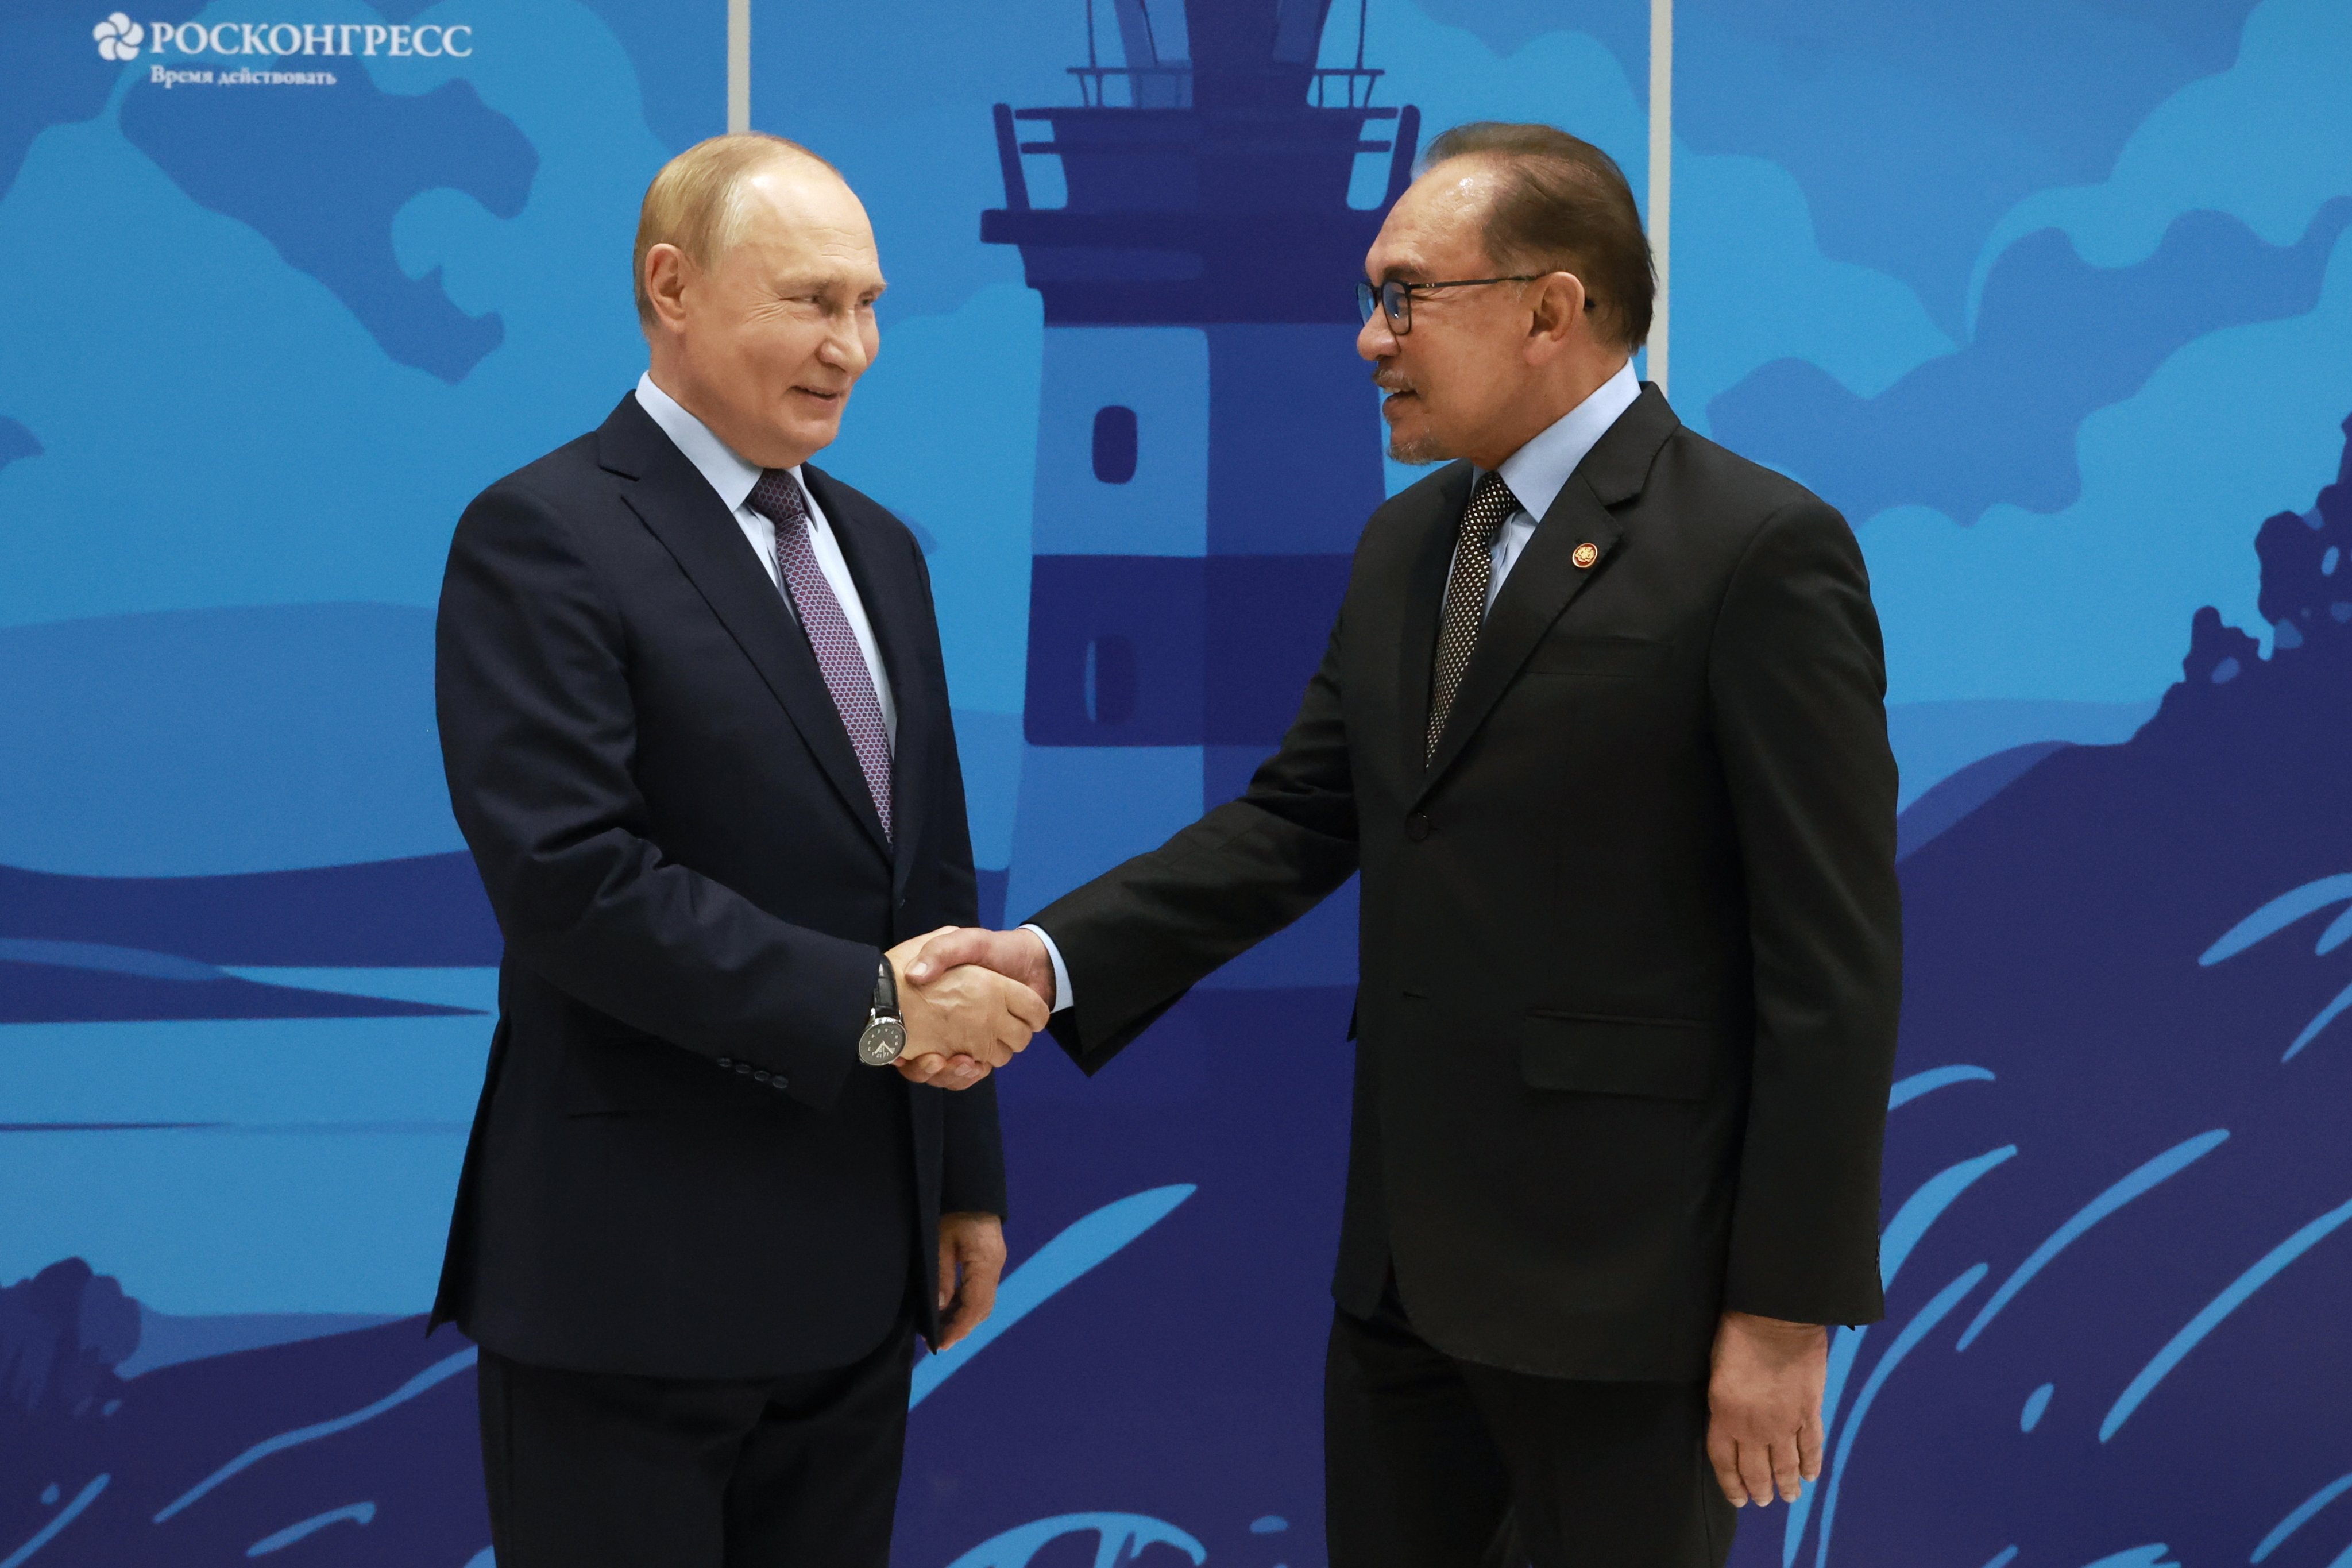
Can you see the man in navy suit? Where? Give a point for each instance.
(696, 727)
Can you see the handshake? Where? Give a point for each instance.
(971, 999)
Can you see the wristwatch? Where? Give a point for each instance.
(885, 1031)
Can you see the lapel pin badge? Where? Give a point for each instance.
(1586, 554)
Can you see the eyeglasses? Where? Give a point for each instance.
(1395, 296)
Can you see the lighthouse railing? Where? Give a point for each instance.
(1354, 85)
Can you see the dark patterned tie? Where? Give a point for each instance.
(1465, 596)
(777, 498)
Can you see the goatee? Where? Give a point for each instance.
(1421, 451)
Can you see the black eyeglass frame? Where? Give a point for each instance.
(1394, 296)
(1401, 318)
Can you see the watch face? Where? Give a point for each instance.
(879, 1046)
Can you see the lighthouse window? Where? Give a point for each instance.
(1115, 444)
(1109, 681)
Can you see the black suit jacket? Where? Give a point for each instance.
(679, 1168)
(1631, 941)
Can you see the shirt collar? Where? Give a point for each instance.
(727, 474)
(1540, 470)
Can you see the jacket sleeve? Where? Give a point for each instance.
(1138, 936)
(538, 734)
(972, 1167)
(1798, 688)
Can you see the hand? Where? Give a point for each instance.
(1015, 954)
(965, 1011)
(972, 1259)
(955, 1072)
(1764, 1402)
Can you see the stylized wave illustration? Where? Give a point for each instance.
(2281, 913)
(1049, 1270)
(2303, 1513)
(281, 1424)
(1119, 1536)
(82, 982)
(427, 911)
(2106, 1260)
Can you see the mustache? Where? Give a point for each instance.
(1387, 381)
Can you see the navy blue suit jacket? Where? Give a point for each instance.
(679, 1168)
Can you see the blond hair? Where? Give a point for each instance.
(696, 202)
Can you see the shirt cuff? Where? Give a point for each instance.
(1061, 997)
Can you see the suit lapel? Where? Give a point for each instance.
(1425, 606)
(679, 506)
(894, 600)
(1548, 575)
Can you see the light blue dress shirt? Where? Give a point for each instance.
(1540, 470)
(1536, 474)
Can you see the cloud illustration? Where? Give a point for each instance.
(2092, 602)
(208, 435)
(1750, 283)
(2268, 141)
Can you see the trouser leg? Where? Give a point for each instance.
(1411, 1477)
(604, 1470)
(1606, 1475)
(816, 1485)
(1431, 1462)
(600, 1470)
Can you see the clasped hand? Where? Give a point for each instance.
(982, 994)
(963, 1018)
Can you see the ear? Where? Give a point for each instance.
(1556, 303)
(667, 272)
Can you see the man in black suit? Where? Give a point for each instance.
(697, 733)
(1601, 723)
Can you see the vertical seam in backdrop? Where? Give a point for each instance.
(1662, 168)
(738, 64)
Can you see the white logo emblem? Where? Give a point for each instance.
(119, 37)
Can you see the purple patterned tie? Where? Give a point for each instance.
(777, 498)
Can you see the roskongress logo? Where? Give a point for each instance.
(119, 37)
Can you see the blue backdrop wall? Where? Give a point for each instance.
(2052, 296)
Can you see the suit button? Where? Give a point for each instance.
(743, 1068)
(777, 1082)
(1416, 827)
(759, 1077)
(725, 1062)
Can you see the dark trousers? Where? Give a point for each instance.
(601, 1470)
(1432, 1462)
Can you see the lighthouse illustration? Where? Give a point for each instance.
(1207, 439)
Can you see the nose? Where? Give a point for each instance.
(1374, 340)
(846, 347)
